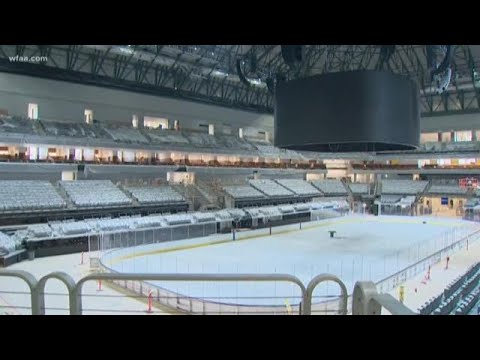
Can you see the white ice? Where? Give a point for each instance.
(365, 248)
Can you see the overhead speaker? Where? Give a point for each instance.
(240, 73)
(81, 167)
(270, 85)
(280, 77)
(253, 63)
(293, 54)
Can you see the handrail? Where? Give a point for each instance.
(367, 301)
(77, 310)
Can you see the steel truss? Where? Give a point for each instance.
(207, 73)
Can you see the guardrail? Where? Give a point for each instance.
(366, 300)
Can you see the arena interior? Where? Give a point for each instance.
(240, 179)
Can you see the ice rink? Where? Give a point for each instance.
(364, 248)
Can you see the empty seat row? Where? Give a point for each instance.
(15, 124)
(359, 188)
(299, 187)
(40, 230)
(271, 212)
(148, 222)
(204, 217)
(176, 219)
(126, 135)
(152, 195)
(447, 189)
(94, 193)
(270, 188)
(243, 192)
(330, 187)
(6, 243)
(407, 187)
(467, 303)
(389, 199)
(29, 195)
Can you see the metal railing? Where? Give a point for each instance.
(366, 299)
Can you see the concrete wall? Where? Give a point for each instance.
(450, 123)
(60, 100)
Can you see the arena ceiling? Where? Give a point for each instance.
(243, 76)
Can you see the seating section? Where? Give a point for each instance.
(447, 189)
(330, 187)
(243, 192)
(253, 212)
(359, 188)
(270, 188)
(39, 230)
(299, 187)
(286, 209)
(113, 225)
(15, 124)
(166, 137)
(177, 219)
(130, 135)
(126, 135)
(407, 200)
(59, 229)
(407, 187)
(62, 129)
(236, 213)
(70, 227)
(459, 297)
(204, 217)
(72, 129)
(154, 195)
(94, 193)
(301, 207)
(223, 215)
(153, 221)
(271, 212)
(271, 151)
(468, 302)
(390, 199)
(29, 195)
(6, 243)
(234, 142)
(202, 140)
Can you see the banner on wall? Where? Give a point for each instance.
(444, 200)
